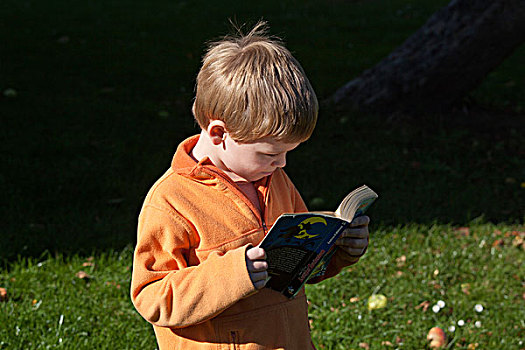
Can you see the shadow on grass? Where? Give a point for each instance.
(93, 108)
(80, 194)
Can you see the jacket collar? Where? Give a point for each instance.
(182, 160)
(183, 163)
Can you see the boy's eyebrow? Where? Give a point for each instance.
(277, 150)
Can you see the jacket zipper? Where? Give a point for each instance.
(263, 206)
(259, 216)
(234, 339)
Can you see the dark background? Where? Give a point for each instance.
(97, 95)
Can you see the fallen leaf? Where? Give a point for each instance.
(519, 239)
(401, 260)
(463, 231)
(387, 343)
(465, 288)
(3, 294)
(354, 299)
(83, 275)
(88, 263)
(498, 243)
(364, 346)
(113, 283)
(424, 305)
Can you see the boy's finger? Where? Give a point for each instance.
(259, 278)
(362, 220)
(257, 266)
(259, 284)
(354, 252)
(360, 232)
(352, 243)
(256, 254)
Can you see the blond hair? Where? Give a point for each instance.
(257, 88)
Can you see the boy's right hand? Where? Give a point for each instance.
(257, 266)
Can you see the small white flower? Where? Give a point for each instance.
(359, 317)
(441, 304)
(477, 324)
(436, 308)
(451, 329)
(478, 308)
(461, 323)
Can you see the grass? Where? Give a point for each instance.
(51, 306)
(96, 96)
(414, 266)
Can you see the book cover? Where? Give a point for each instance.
(299, 246)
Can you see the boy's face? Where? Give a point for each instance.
(255, 160)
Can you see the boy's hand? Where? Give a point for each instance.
(354, 239)
(257, 266)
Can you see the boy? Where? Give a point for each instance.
(197, 276)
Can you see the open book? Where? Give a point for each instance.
(299, 246)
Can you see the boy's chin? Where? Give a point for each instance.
(261, 176)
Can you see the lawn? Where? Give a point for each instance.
(95, 97)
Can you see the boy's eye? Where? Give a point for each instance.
(271, 154)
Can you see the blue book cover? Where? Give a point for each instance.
(299, 246)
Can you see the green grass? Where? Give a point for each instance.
(95, 96)
(49, 306)
(415, 264)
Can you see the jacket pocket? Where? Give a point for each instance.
(258, 330)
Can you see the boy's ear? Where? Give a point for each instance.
(217, 131)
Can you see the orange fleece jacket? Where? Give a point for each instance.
(189, 271)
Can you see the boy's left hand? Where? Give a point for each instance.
(354, 239)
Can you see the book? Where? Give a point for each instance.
(299, 246)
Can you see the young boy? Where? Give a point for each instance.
(197, 275)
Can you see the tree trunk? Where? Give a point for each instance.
(441, 62)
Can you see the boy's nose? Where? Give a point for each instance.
(280, 161)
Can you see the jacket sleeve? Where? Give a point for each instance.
(169, 293)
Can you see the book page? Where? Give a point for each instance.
(355, 203)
